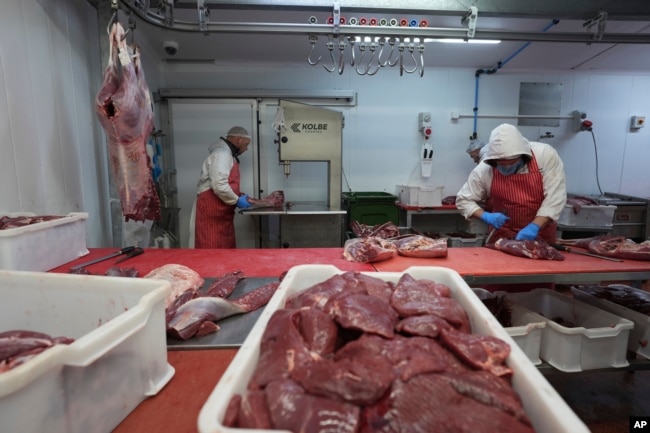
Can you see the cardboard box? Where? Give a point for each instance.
(43, 246)
(590, 338)
(118, 358)
(545, 408)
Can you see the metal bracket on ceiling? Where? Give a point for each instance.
(166, 8)
(600, 21)
(470, 19)
(336, 15)
(204, 13)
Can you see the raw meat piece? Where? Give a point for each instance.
(116, 271)
(281, 349)
(7, 222)
(319, 331)
(19, 346)
(232, 412)
(427, 325)
(294, 410)
(421, 246)
(384, 231)
(480, 351)
(275, 200)
(254, 411)
(450, 199)
(360, 380)
(576, 202)
(536, 249)
(405, 410)
(368, 250)
(182, 279)
(416, 299)
(613, 246)
(318, 295)
(190, 317)
(223, 286)
(124, 109)
(363, 312)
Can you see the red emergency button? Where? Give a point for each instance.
(427, 131)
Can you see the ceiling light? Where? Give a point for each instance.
(464, 41)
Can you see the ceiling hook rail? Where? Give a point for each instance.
(330, 47)
(312, 40)
(204, 14)
(470, 18)
(600, 21)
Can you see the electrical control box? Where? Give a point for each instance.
(637, 122)
(424, 123)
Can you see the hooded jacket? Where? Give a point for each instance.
(507, 142)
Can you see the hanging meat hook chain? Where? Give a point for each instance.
(330, 47)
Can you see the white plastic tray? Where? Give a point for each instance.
(43, 246)
(639, 341)
(118, 358)
(527, 326)
(598, 340)
(544, 406)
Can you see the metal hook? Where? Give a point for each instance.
(312, 41)
(341, 61)
(110, 22)
(421, 50)
(373, 47)
(415, 67)
(362, 48)
(382, 44)
(401, 58)
(391, 41)
(330, 46)
(352, 40)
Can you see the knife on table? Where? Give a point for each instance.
(136, 252)
(571, 250)
(124, 250)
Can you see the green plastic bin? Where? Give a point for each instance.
(370, 208)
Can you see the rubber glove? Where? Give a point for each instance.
(495, 219)
(242, 202)
(528, 233)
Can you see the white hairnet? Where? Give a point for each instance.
(238, 131)
(474, 144)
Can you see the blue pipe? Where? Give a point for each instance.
(478, 73)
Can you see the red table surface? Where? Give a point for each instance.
(479, 261)
(212, 263)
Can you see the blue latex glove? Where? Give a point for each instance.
(528, 233)
(495, 219)
(242, 202)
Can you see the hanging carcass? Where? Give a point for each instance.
(123, 106)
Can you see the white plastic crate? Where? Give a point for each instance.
(526, 328)
(639, 340)
(43, 246)
(587, 216)
(420, 195)
(118, 358)
(598, 340)
(545, 408)
(464, 242)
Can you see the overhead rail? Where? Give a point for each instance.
(162, 14)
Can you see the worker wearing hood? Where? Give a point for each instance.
(525, 182)
(218, 191)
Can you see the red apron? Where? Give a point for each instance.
(214, 225)
(519, 196)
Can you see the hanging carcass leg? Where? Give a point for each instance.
(123, 106)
